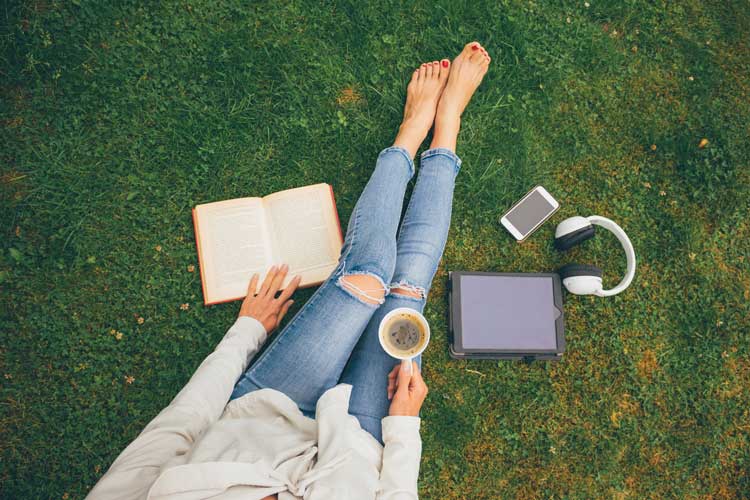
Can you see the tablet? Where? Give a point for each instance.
(506, 315)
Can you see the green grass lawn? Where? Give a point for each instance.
(117, 117)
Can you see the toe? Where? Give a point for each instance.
(435, 69)
(477, 57)
(472, 47)
(445, 65)
(414, 77)
(423, 72)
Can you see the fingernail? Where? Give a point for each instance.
(445, 64)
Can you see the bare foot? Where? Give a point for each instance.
(422, 95)
(467, 72)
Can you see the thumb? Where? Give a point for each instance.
(404, 377)
(283, 311)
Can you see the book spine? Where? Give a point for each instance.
(200, 259)
(336, 212)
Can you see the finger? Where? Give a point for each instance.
(407, 365)
(284, 310)
(393, 376)
(392, 387)
(267, 282)
(404, 377)
(253, 286)
(277, 281)
(290, 289)
(392, 381)
(417, 382)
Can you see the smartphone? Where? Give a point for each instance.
(529, 213)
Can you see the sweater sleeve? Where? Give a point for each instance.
(174, 430)
(401, 454)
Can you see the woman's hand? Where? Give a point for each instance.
(265, 306)
(406, 391)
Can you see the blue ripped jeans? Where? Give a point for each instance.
(334, 337)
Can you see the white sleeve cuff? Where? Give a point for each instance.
(401, 456)
(400, 428)
(245, 325)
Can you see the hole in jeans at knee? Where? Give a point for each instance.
(407, 290)
(366, 287)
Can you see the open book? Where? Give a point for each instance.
(236, 238)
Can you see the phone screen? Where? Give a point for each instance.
(528, 214)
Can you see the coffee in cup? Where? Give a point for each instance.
(404, 334)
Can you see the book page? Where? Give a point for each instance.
(234, 243)
(305, 231)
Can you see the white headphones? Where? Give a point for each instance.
(584, 279)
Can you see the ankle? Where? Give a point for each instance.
(448, 115)
(448, 144)
(446, 133)
(409, 138)
(408, 143)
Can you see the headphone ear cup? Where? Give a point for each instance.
(581, 279)
(571, 270)
(568, 241)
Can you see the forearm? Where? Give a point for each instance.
(174, 430)
(209, 389)
(402, 452)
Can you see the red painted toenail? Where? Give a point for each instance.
(445, 64)
(474, 47)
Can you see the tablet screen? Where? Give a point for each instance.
(508, 313)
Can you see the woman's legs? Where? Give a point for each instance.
(308, 356)
(420, 245)
(421, 240)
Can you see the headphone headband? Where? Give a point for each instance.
(629, 253)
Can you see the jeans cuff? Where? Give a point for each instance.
(405, 153)
(442, 152)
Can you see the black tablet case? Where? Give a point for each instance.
(455, 321)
